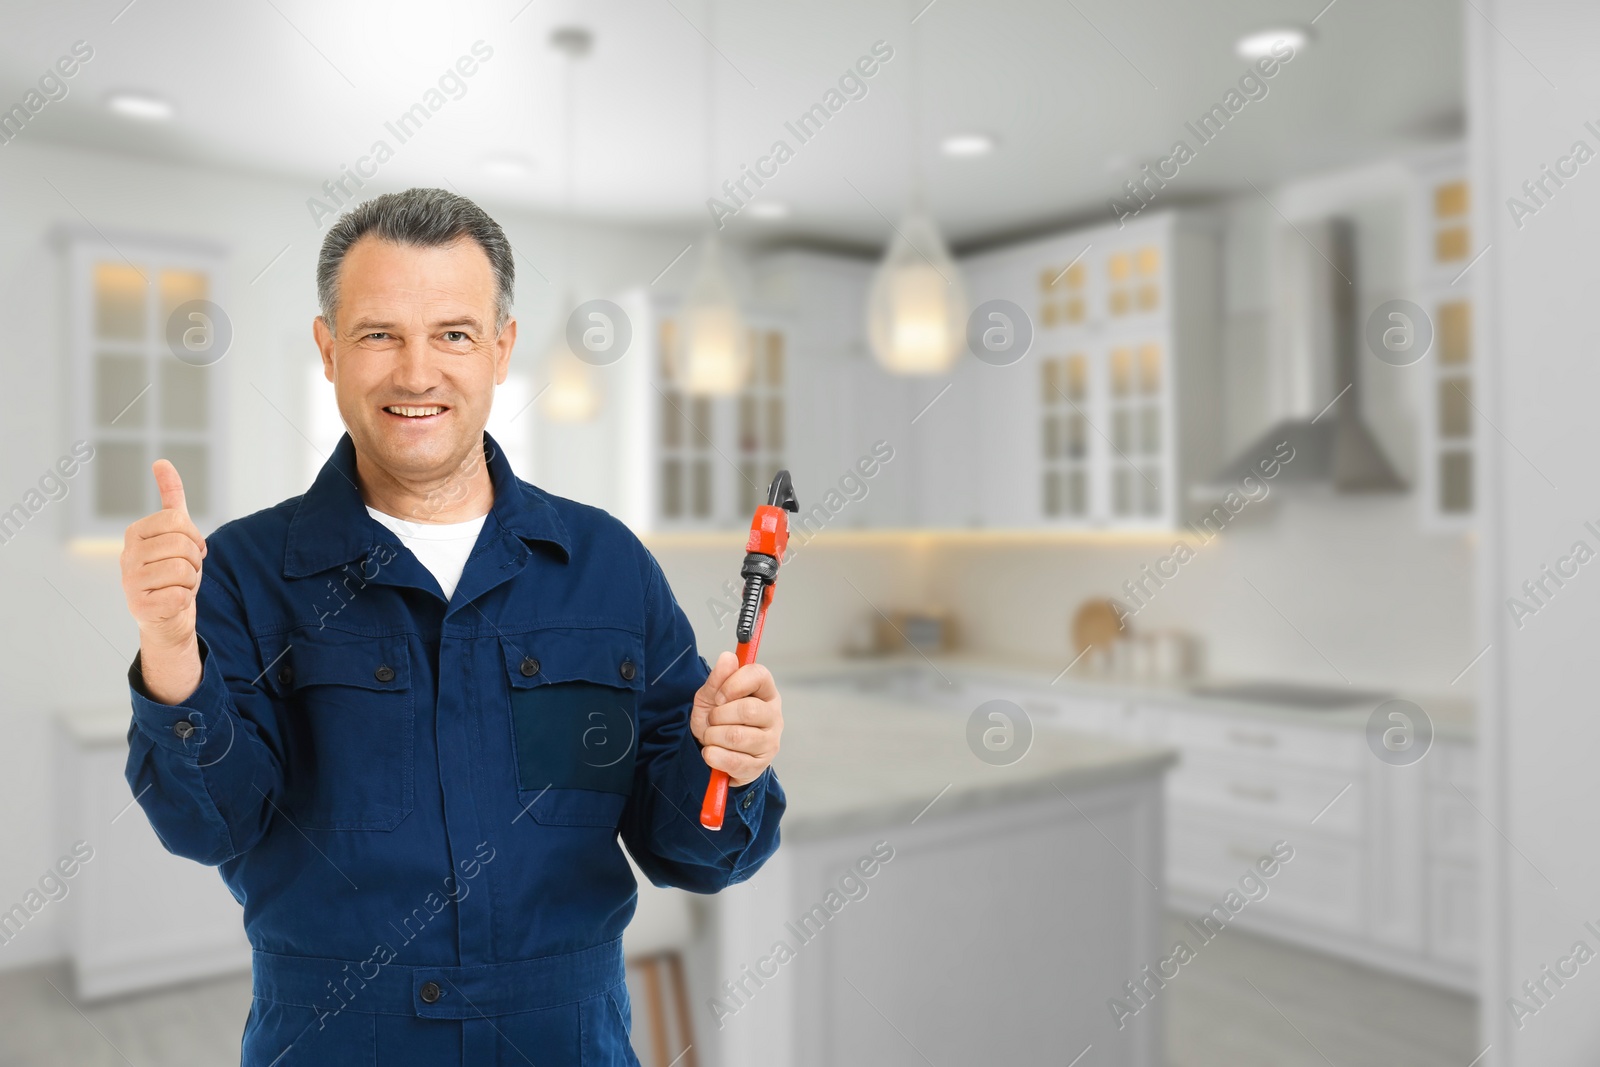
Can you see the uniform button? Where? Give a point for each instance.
(285, 674)
(628, 669)
(749, 798)
(183, 728)
(384, 673)
(529, 667)
(429, 992)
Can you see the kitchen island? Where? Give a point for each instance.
(928, 906)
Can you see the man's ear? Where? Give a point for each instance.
(324, 338)
(504, 343)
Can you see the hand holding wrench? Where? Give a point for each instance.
(769, 537)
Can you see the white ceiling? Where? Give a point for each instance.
(299, 88)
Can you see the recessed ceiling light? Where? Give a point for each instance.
(967, 145)
(768, 209)
(506, 167)
(140, 106)
(1260, 44)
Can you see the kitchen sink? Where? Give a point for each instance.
(1291, 694)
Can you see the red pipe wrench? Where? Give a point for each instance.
(764, 548)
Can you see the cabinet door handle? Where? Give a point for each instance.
(1258, 740)
(1265, 794)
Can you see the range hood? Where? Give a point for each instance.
(1318, 373)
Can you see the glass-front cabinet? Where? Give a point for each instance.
(1444, 255)
(1118, 400)
(713, 457)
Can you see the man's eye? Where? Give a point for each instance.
(380, 335)
(455, 335)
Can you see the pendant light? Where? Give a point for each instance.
(711, 356)
(571, 391)
(917, 303)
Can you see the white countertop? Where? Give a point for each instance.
(100, 724)
(850, 762)
(1453, 714)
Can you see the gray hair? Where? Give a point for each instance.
(424, 218)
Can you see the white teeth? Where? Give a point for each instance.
(412, 413)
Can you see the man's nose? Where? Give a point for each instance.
(414, 368)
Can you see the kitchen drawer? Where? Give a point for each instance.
(1140, 722)
(1266, 789)
(1453, 824)
(1340, 750)
(1084, 715)
(1453, 761)
(893, 682)
(1319, 886)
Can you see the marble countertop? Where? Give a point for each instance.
(100, 724)
(1452, 714)
(851, 762)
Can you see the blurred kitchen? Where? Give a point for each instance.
(1148, 656)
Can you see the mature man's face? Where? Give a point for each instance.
(415, 358)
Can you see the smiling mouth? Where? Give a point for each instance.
(408, 411)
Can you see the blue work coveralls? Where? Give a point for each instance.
(418, 803)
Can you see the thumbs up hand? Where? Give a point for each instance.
(161, 558)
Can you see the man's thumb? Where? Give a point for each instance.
(721, 670)
(171, 486)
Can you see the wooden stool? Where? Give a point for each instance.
(655, 998)
(662, 927)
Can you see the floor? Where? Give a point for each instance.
(1332, 1012)
(1311, 1010)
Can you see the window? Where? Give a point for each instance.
(148, 335)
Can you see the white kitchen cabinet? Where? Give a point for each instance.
(710, 459)
(1005, 427)
(137, 916)
(842, 402)
(1397, 831)
(1279, 742)
(1319, 888)
(1271, 791)
(1453, 828)
(1385, 857)
(1115, 410)
(974, 919)
(1443, 250)
(946, 454)
(1384, 867)
(1111, 414)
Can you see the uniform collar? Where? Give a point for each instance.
(331, 525)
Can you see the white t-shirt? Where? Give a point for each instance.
(442, 547)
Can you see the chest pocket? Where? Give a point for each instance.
(350, 732)
(574, 709)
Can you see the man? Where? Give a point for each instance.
(408, 713)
